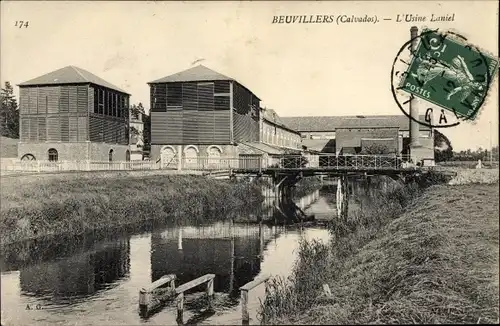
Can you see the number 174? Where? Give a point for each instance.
(22, 23)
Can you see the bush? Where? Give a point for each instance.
(429, 178)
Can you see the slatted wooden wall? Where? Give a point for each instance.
(190, 113)
(107, 129)
(61, 113)
(245, 115)
(54, 113)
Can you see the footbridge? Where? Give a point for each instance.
(284, 171)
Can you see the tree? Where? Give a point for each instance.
(9, 114)
(375, 149)
(135, 111)
(147, 132)
(443, 151)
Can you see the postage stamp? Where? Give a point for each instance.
(448, 72)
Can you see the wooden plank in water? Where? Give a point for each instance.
(195, 282)
(161, 281)
(254, 283)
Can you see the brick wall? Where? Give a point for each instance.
(100, 151)
(74, 151)
(227, 150)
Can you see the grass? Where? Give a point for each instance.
(470, 164)
(37, 206)
(430, 260)
(306, 186)
(8, 147)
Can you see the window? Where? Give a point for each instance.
(120, 106)
(53, 156)
(110, 155)
(174, 95)
(96, 100)
(107, 106)
(100, 108)
(115, 106)
(424, 134)
(214, 154)
(113, 103)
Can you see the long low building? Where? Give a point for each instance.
(355, 134)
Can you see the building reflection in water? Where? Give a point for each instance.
(79, 275)
(231, 251)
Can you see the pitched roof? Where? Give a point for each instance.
(259, 148)
(198, 73)
(330, 123)
(70, 75)
(271, 116)
(320, 145)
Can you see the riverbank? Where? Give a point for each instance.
(35, 206)
(437, 262)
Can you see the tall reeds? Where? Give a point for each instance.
(77, 205)
(290, 300)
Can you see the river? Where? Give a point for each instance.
(96, 280)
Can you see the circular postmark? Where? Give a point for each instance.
(443, 74)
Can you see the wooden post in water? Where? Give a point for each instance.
(208, 278)
(145, 298)
(245, 317)
(146, 302)
(179, 242)
(210, 293)
(180, 307)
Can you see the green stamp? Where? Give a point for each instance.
(449, 73)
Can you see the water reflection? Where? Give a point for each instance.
(95, 279)
(233, 252)
(82, 274)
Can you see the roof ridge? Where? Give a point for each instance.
(78, 72)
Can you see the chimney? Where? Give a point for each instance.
(414, 112)
(261, 124)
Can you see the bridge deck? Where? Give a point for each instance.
(309, 164)
(327, 170)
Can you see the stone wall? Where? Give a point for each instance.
(74, 151)
(202, 150)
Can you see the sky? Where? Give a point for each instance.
(299, 69)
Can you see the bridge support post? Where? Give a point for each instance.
(346, 198)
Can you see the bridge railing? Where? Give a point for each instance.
(348, 162)
(243, 162)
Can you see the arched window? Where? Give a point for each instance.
(53, 156)
(110, 155)
(214, 154)
(28, 157)
(191, 155)
(167, 156)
